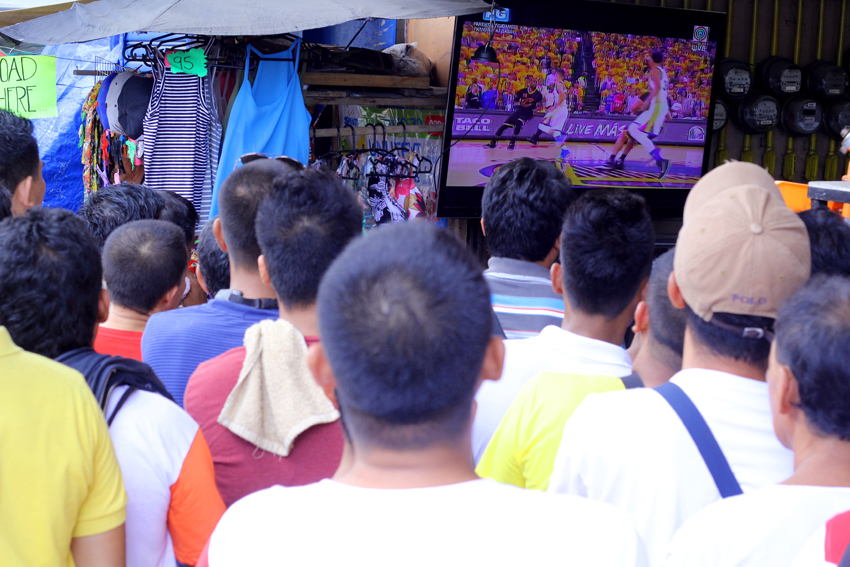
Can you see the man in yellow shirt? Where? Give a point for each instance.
(523, 449)
(62, 499)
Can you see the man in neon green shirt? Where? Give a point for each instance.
(523, 449)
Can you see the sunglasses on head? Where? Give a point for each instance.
(254, 156)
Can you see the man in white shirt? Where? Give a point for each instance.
(809, 384)
(741, 252)
(607, 242)
(405, 342)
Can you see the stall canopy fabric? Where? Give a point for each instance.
(104, 18)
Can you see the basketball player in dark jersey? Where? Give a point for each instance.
(527, 100)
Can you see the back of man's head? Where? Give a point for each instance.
(142, 261)
(18, 150)
(239, 199)
(523, 209)
(50, 281)
(405, 335)
(738, 257)
(829, 237)
(179, 210)
(666, 323)
(306, 220)
(812, 334)
(607, 242)
(5, 203)
(213, 263)
(115, 205)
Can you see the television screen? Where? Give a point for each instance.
(614, 95)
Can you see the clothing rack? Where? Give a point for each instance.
(369, 131)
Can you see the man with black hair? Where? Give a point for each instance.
(143, 266)
(213, 270)
(741, 253)
(5, 203)
(179, 210)
(116, 205)
(406, 340)
(522, 212)
(526, 100)
(830, 239)
(176, 342)
(51, 300)
(20, 166)
(808, 380)
(607, 243)
(304, 223)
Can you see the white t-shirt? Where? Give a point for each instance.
(827, 545)
(765, 527)
(630, 449)
(470, 523)
(553, 350)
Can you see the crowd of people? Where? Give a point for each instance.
(331, 398)
(620, 64)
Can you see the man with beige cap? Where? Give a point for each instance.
(665, 454)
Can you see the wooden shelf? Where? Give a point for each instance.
(368, 81)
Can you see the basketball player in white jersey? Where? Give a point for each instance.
(648, 124)
(557, 112)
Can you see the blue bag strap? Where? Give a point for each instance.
(704, 439)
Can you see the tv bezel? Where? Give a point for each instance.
(465, 201)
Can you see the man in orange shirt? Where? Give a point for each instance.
(143, 265)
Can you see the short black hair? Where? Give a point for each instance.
(829, 237)
(5, 203)
(657, 56)
(523, 208)
(179, 210)
(213, 262)
(142, 260)
(239, 198)
(305, 221)
(730, 344)
(405, 320)
(50, 281)
(18, 150)
(812, 334)
(115, 205)
(607, 243)
(667, 323)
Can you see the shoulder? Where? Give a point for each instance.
(151, 411)
(217, 374)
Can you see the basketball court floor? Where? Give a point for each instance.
(471, 164)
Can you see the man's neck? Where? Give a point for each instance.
(820, 461)
(304, 319)
(123, 319)
(655, 363)
(422, 468)
(249, 283)
(594, 326)
(696, 355)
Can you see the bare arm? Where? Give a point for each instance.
(100, 550)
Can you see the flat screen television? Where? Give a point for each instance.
(575, 82)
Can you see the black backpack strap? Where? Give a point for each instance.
(632, 381)
(120, 403)
(704, 439)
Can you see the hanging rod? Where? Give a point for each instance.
(367, 130)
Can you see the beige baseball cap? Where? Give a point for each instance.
(742, 251)
(728, 175)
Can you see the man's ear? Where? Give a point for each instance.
(494, 361)
(557, 274)
(103, 306)
(482, 227)
(676, 297)
(264, 270)
(641, 318)
(219, 234)
(199, 274)
(172, 298)
(321, 369)
(22, 197)
(787, 390)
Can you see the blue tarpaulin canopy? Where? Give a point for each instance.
(105, 18)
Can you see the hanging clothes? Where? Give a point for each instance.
(215, 134)
(267, 117)
(385, 207)
(177, 135)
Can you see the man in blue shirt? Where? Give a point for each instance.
(176, 342)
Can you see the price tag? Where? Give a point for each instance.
(192, 62)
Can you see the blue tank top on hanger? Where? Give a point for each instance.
(267, 117)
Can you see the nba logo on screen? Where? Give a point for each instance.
(700, 33)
